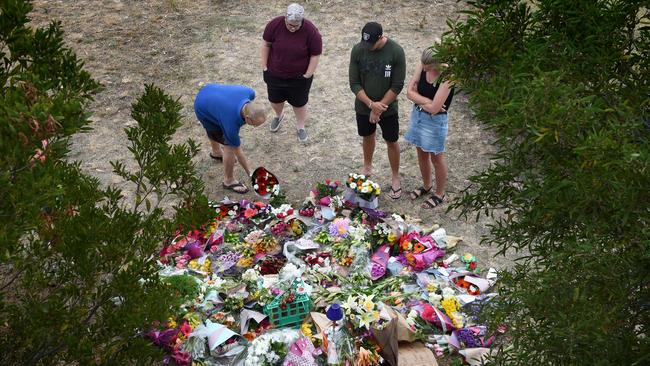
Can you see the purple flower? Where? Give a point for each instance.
(466, 336)
(339, 227)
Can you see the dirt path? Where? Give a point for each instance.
(182, 44)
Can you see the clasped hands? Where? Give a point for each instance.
(376, 109)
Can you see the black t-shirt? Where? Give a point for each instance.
(428, 90)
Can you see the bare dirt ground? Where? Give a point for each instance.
(181, 45)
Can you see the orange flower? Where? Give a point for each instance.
(250, 213)
(419, 247)
(406, 245)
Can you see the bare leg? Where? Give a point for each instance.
(277, 108)
(216, 149)
(228, 166)
(368, 152)
(393, 159)
(440, 167)
(301, 116)
(424, 161)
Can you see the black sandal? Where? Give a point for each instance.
(432, 202)
(236, 187)
(395, 193)
(417, 193)
(217, 158)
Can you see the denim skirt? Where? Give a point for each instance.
(428, 132)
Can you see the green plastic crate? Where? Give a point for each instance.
(292, 315)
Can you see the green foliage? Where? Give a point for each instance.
(184, 287)
(278, 199)
(564, 85)
(79, 279)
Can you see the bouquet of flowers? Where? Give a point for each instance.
(362, 311)
(323, 196)
(265, 183)
(270, 348)
(362, 191)
(418, 252)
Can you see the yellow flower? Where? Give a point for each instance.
(450, 305)
(192, 319)
(432, 287)
(171, 323)
(306, 330)
(367, 303)
(245, 262)
(391, 237)
(194, 264)
(206, 266)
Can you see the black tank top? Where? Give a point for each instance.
(427, 90)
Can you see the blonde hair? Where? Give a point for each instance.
(256, 109)
(429, 56)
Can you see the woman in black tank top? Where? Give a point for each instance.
(429, 124)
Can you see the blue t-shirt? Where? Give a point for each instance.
(218, 107)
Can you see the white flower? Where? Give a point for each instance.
(353, 185)
(435, 299)
(289, 272)
(256, 187)
(447, 292)
(250, 275)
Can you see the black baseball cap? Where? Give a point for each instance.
(370, 34)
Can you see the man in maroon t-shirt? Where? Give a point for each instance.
(292, 46)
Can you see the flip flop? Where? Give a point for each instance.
(217, 158)
(432, 202)
(233, 187)
(417, 193)
(395, 193)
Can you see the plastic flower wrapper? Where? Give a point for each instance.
(434, 316)
(301, 353)
(418, 252)
(224, 262)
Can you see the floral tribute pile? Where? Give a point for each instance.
(326, 284)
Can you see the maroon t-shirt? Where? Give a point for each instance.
(290, 51)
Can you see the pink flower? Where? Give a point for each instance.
(325, 201)
(181, 358)
(186, 329)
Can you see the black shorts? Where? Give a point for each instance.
(389, 126)
(294, 91)
(216, 135)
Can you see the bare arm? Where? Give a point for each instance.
(266, 48)
(241, 158)
(313, 63)
(434, 105)
(412, 88)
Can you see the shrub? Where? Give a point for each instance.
(564, 86)
(79, 279)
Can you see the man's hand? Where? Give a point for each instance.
(378, 107)
(307, 76)
(374, 117)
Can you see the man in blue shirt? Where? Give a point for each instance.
(223, 110)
